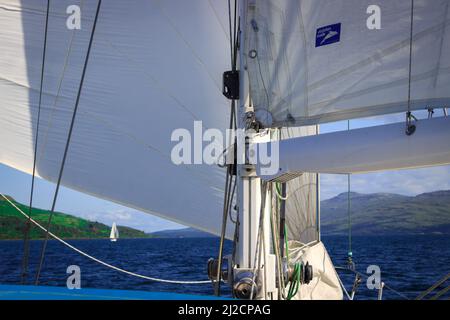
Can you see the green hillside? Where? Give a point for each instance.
(65, 226)
(372, 214)
(388, 214)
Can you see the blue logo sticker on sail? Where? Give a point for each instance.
(328, 35)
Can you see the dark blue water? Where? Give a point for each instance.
(408, 264)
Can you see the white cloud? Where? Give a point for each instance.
(407, 182)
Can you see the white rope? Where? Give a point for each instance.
(98, 260)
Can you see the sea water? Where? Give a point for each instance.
(408, 264)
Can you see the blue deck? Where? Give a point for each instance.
(17, 292)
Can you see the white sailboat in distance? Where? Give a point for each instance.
(114, 235)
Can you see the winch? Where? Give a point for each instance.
(225, 273)
(305, 270)
(246, 284)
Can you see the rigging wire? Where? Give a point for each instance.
(231, 202)
(433, 287)
(233, 34)
(226, 208)
(283, 227)
(279, 233)
(69, 136)
(259, 240)
(410, 55)
(343, 287)
(229, 174)
(235, 238)
(276, 245)
(349, 212)
(365, 277)
(223, 232)
(26, 245)
(53, 107)
(410, 128)
(440, 293)
(350, 261)
(98, 260)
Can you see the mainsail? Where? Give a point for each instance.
(155, 66)
(316, 61)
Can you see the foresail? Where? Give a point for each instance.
(155, 66)
(315, 61)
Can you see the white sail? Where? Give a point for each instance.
(301, 196)
(114, 235)
(325, 283)
(315, 61)
(155, 66)
(370, 149)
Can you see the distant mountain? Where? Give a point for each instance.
(66, 226)
(182, 233)
(372, 214)
(387, 214)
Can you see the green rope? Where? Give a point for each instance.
(277, 186)
(295, 283)
(286, 242)
(278, 192)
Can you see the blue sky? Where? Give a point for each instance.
(407, 182)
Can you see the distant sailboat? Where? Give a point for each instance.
(114, 235)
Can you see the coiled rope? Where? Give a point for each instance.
(98, 260)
